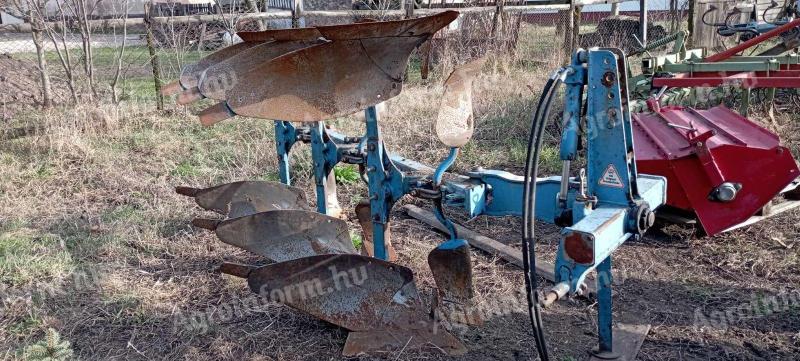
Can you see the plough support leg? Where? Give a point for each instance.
(380, 203)
(323, 151)
(285, 137)
(604, 311)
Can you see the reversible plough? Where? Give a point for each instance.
(715, 162)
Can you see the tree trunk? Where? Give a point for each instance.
(118, 71)
(47, 89)
(425, 53)
(496, 20)
(86, 36)
(690, 41)
(153, 58)
(63, 55)
(569, 29)
(253, 8)
(576, 23)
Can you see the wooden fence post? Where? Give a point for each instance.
(425, 54)
(643, 23)
(690, 25)
(576, 23)
(572, 30)
(297, 9)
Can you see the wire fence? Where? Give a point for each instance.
(113, 60)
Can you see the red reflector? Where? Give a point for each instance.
(579, 249)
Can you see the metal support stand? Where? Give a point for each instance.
(604, 316)
(285, 137)
(322, 147)
(376, 173)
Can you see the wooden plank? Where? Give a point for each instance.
(475, 239)
(627, 341)
(596, 2)
(773, 211)
(706, 36)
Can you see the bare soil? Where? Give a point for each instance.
(20, 82)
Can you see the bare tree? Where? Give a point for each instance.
(81, 11)
(381, 6)
(114, 91)
(59, 40)
(230, 19)
(252, 6)
(31, 11)
(154, 61)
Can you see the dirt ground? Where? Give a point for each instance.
(96, 245)
(19, 84)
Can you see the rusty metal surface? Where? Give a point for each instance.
(454, 123)
(357, 293)
(218, 78)
(451, 266)
(362, 66)
(284, 235)
(243, 198)
(321, 82)
(352, 291)
(188, 96)
(215, 114)
(299, 34)
(172, 88)
(190, 74)
(363, 214)
(234, 269)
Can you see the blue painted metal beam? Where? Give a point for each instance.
(285, 137)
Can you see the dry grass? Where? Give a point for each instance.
(93, 197)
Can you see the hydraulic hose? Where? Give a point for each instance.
(529, 209)
(772, 5)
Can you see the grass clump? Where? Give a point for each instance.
(357, 241)
(51, 348)
(27, 257)
(347, 174)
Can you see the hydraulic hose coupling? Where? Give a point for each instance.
(556, 73)
(555, 293)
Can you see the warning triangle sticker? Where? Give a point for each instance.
(611, 178)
